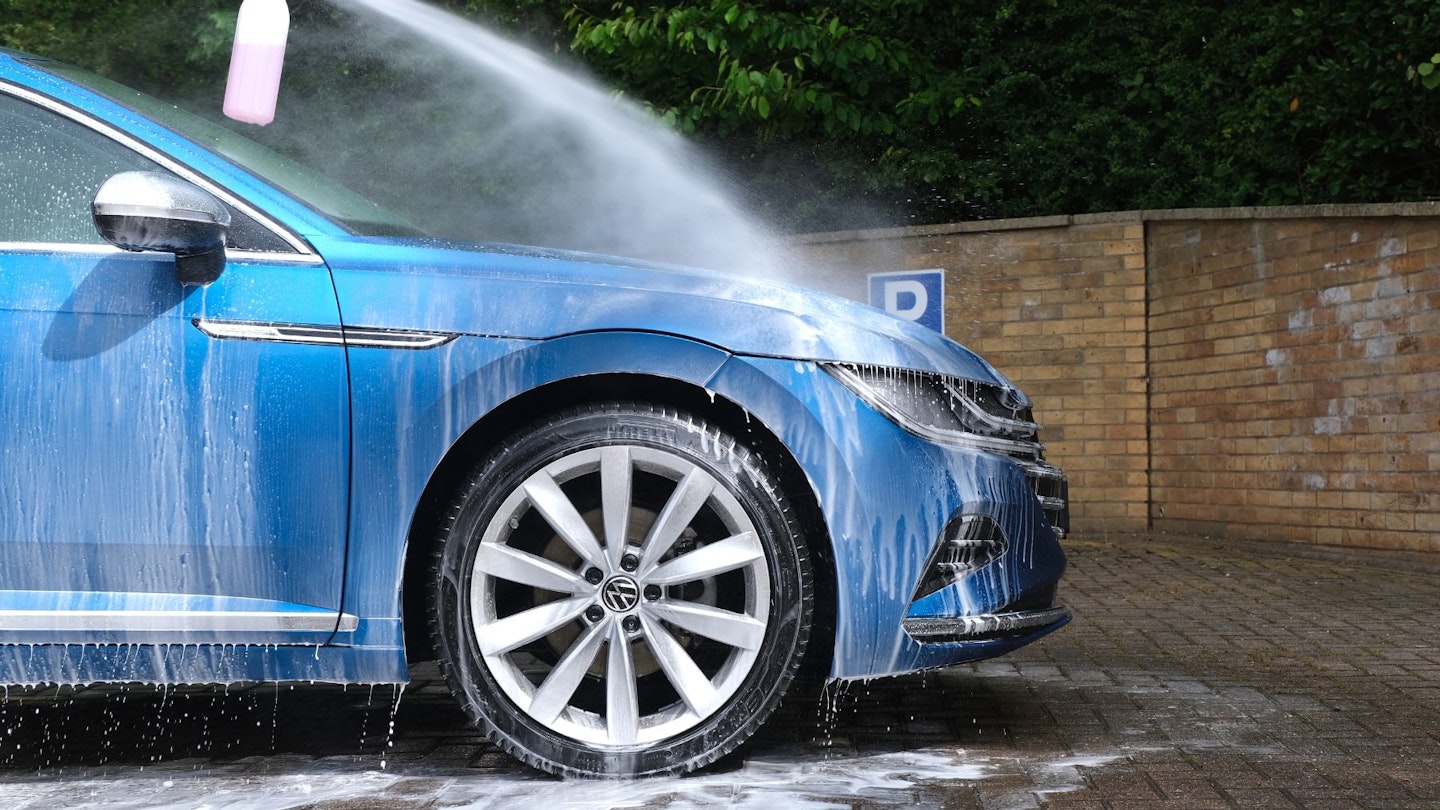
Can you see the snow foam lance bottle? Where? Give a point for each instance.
(255, 61)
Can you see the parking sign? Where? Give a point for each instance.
(915, 295)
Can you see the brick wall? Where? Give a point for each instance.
(1296, 379)
(1060, 309)
(1268, 373)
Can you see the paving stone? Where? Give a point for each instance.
(1197, 674)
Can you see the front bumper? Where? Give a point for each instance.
(888, 498)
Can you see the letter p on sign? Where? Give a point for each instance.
(914, 295)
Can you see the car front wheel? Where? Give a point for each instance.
(621, 590)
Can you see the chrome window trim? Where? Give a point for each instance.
(303, 252)
(271, 258)
(313, 335)
(52, 247)
(110, 250)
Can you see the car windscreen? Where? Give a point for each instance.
(347, 208)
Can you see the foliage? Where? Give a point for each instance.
(134, 42)
(934, 111)
(849, 100)
(1427, 73)
(958, 110)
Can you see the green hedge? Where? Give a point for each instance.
(859, 112)
(960, 110)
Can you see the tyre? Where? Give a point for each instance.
(621, 590)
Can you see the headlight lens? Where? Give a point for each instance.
(941, 408)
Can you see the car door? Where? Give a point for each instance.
(170, 470)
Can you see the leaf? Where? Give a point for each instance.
(741, 82)
(762, 106)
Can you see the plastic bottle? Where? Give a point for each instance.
(255, 61)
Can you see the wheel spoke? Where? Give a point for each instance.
(554, 694)
(615, 497)
(504, 562)
(684, 503)
(708, 561)
(689, 681)
(726, 627)
(555, 505)
(622, 703)
(506, 634)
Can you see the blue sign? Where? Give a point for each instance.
(915, 295)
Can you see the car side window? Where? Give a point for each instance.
(50, 169)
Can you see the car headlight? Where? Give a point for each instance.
(942, 408)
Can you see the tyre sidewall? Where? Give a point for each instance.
(738, 470)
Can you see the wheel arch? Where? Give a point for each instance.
(535, 403)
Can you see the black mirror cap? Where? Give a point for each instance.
(199, 269)
(154, 211)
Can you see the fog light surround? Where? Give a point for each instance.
(968, 543)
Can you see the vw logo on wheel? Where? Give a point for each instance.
(620, 594)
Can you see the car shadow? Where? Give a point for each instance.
(139, 725)
(116, 300)
(55, 728)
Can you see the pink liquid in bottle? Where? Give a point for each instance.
(255, 61)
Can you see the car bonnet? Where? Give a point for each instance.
(513, 292)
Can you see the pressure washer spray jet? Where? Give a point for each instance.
(255, 61)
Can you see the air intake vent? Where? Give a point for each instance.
(968, 543)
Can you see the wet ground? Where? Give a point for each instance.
(1196, 674)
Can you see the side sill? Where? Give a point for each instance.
(33, 665)
(175, 621)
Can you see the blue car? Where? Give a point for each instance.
(254, 428)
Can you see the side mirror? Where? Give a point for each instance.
(155, 211)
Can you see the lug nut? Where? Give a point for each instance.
(594, 575)
(594, 613)
(631, 624)
(653, 592)
(629, 562)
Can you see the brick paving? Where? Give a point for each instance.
(1197, 674)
